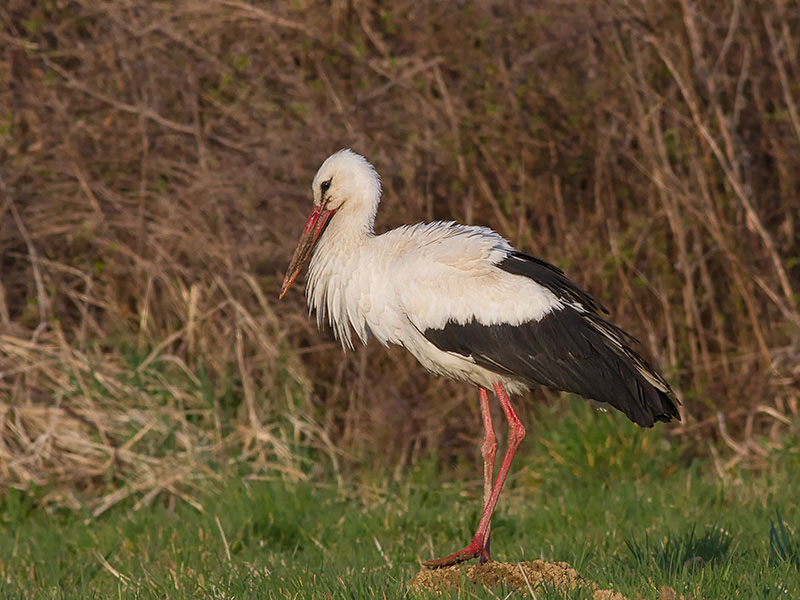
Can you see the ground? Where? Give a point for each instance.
(519, 575)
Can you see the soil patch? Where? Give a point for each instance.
(521, 575)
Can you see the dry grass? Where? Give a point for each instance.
(154, 168)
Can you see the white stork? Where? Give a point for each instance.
(469, 306)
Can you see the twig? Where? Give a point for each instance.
(784, 79)
(378, 92)
(380, 549)
(733, 179)
(733, 25)
(142, 111)
(34, 256)
(337, 102)
(224, 539)
(723, 432)
(267, 16)
(107, 566)
(527, 582)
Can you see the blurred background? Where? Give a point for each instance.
(155, 168)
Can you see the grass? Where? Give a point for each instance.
(627, 508)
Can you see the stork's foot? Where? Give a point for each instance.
(474, 550)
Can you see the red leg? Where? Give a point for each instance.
(488, 451)
(516, 433)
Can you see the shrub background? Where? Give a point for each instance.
(155, 159)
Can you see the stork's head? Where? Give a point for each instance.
(346, 184)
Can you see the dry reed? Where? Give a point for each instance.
(154, 167)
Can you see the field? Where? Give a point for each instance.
(168, 428)
(628, 509)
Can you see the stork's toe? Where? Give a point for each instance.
(474, 550)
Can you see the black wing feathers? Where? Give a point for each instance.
(551, 277)
(571, 349)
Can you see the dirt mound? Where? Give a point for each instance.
(521, 575)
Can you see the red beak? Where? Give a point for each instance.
(315, 225)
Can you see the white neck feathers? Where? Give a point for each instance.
(354, 195)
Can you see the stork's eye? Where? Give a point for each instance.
(325, 185)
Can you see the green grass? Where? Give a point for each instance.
(624, 506)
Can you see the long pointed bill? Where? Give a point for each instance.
(315, 225)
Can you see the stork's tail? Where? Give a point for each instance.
(651, 398)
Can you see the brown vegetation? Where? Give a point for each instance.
(154, 171)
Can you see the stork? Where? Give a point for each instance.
(468, 306)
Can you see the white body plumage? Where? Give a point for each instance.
(396, 285)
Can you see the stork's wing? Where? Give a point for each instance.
(550, 277)
(567, 347)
